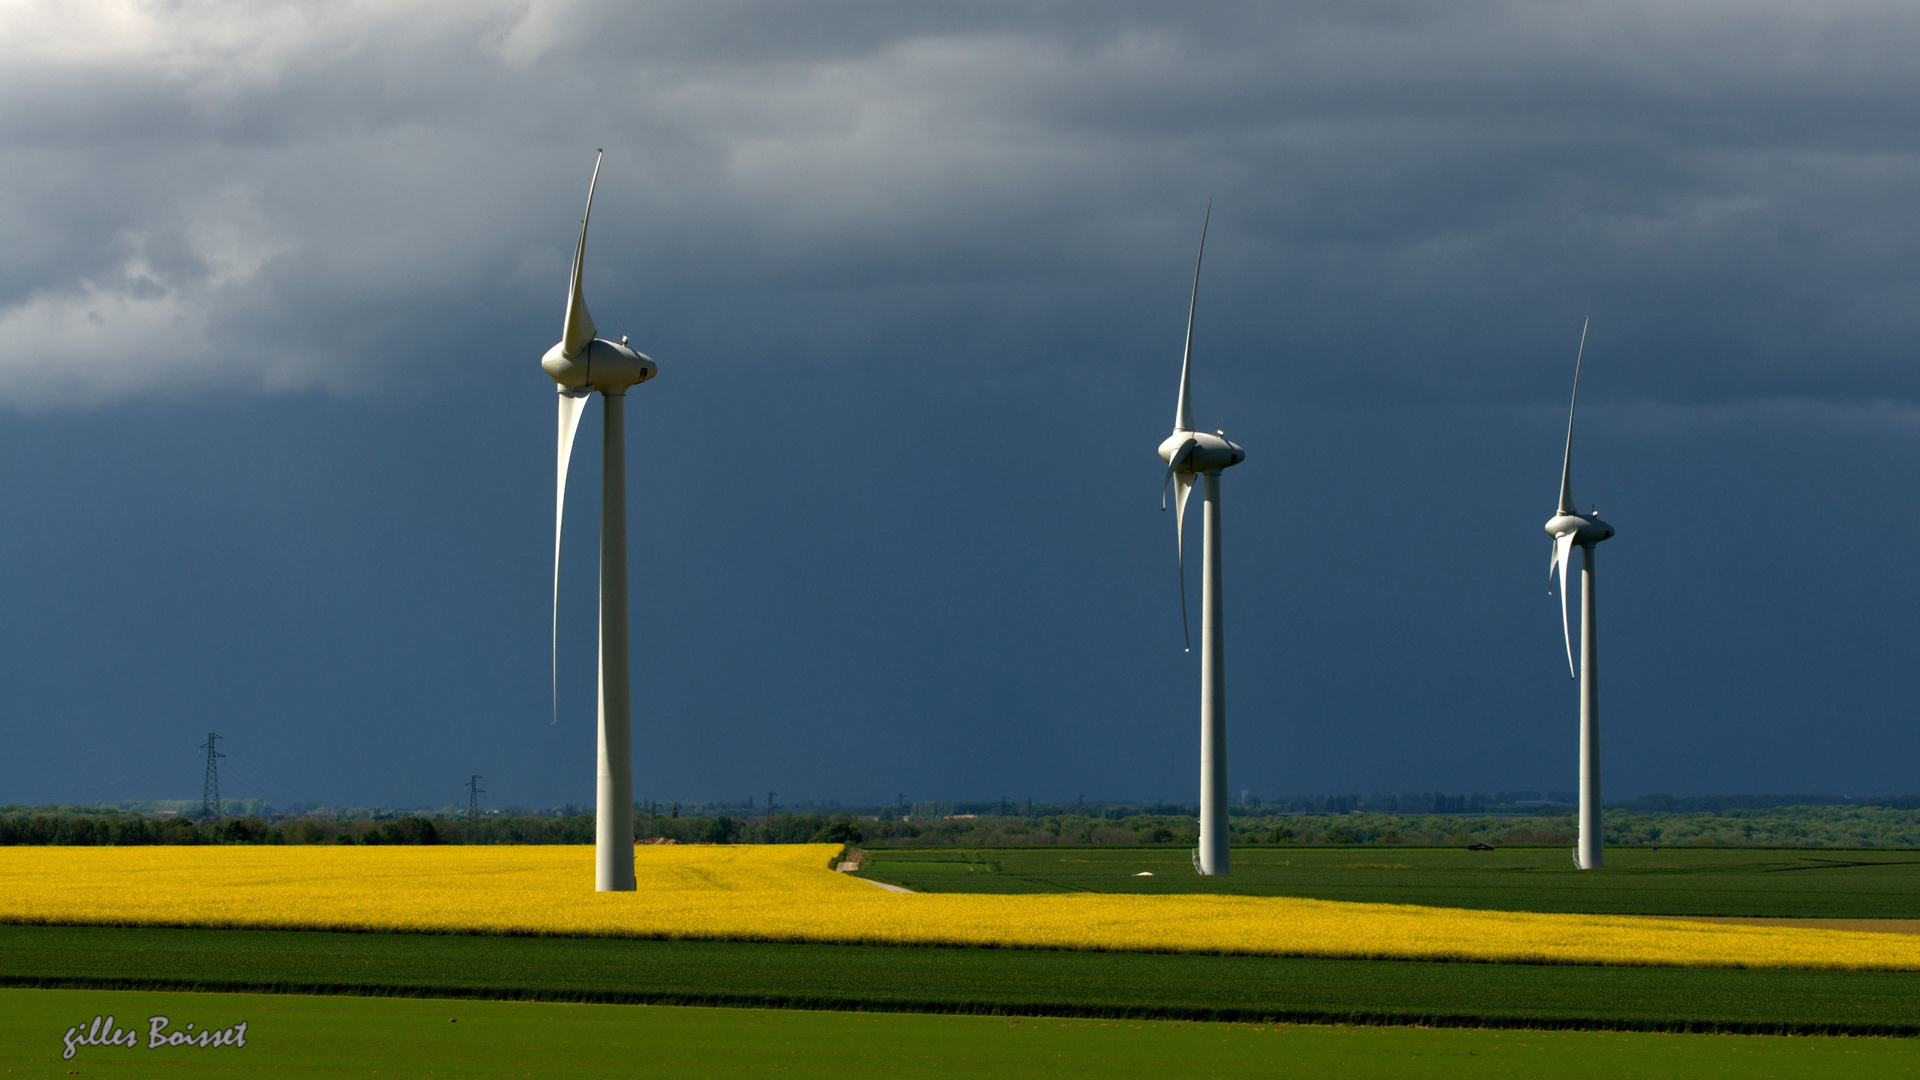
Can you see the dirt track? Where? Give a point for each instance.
(1871, 926)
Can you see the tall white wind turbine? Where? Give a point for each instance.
(1569, 529)
(582, 363)
(1189, 453)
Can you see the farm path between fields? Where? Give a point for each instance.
(851, 865)
(1868, 926)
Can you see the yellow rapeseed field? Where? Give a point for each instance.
(785, 893)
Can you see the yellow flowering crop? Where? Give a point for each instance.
(785, 893)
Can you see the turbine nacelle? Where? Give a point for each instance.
(1207, 453)
(1587, 531)
(603, 365)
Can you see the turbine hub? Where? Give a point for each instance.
(602, 366)
(1587, 531)
(1211, 453)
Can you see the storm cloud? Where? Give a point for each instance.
(1414, 201)
(921, 273)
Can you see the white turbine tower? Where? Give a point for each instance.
(1569, 530)
(1189, 453)
(582, 363)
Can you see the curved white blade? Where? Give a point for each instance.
(1183, 413)
(1562, 552)
(1179, 457)
(1182, 487)
(577, 332)
(572, 403)
(1566, 463)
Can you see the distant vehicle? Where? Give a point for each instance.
(1479, 847)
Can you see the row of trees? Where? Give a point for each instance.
(1802, 826)
(131, 829)
(1150, 829)
(1248, 805)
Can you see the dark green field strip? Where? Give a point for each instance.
(297, 1035)
(1772, 883)
(1009, 981)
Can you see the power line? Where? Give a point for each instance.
(210, 791)
(269, 786)
(250, 780)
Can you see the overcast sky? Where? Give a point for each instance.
(275, 449)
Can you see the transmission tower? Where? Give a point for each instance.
(474, 791)
(210, 793)
(770, 796)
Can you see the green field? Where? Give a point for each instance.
(1029, 982)
(342, 1036)
(1795, 883)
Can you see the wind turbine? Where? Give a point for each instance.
(582, 363)
(1189, 453)
(1569, 529)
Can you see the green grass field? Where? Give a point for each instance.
(1798, 883)
(1006, 981)
(342, 1036)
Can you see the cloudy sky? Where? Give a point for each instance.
(275, 450)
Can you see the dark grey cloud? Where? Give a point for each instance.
(1414, 201)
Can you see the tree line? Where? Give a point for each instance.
(124, 829)
(1832, 825)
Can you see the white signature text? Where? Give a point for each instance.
(103, 1031)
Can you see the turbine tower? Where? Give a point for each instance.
(1569, 529)
(1189, 453)
(582, 363)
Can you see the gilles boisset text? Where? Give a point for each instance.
(101, 1032)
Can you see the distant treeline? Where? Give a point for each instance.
(1250, 805)
(1668, 804)
(120, 829)
(1834, 824)
(84, 828)
(1791, 826)
(1551, 802)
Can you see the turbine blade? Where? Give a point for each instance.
(1183, 413)
(572, 404)
(1562, 552)
(1566, 463)
(1182, 487)
(1179, 457)
(578, 330)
